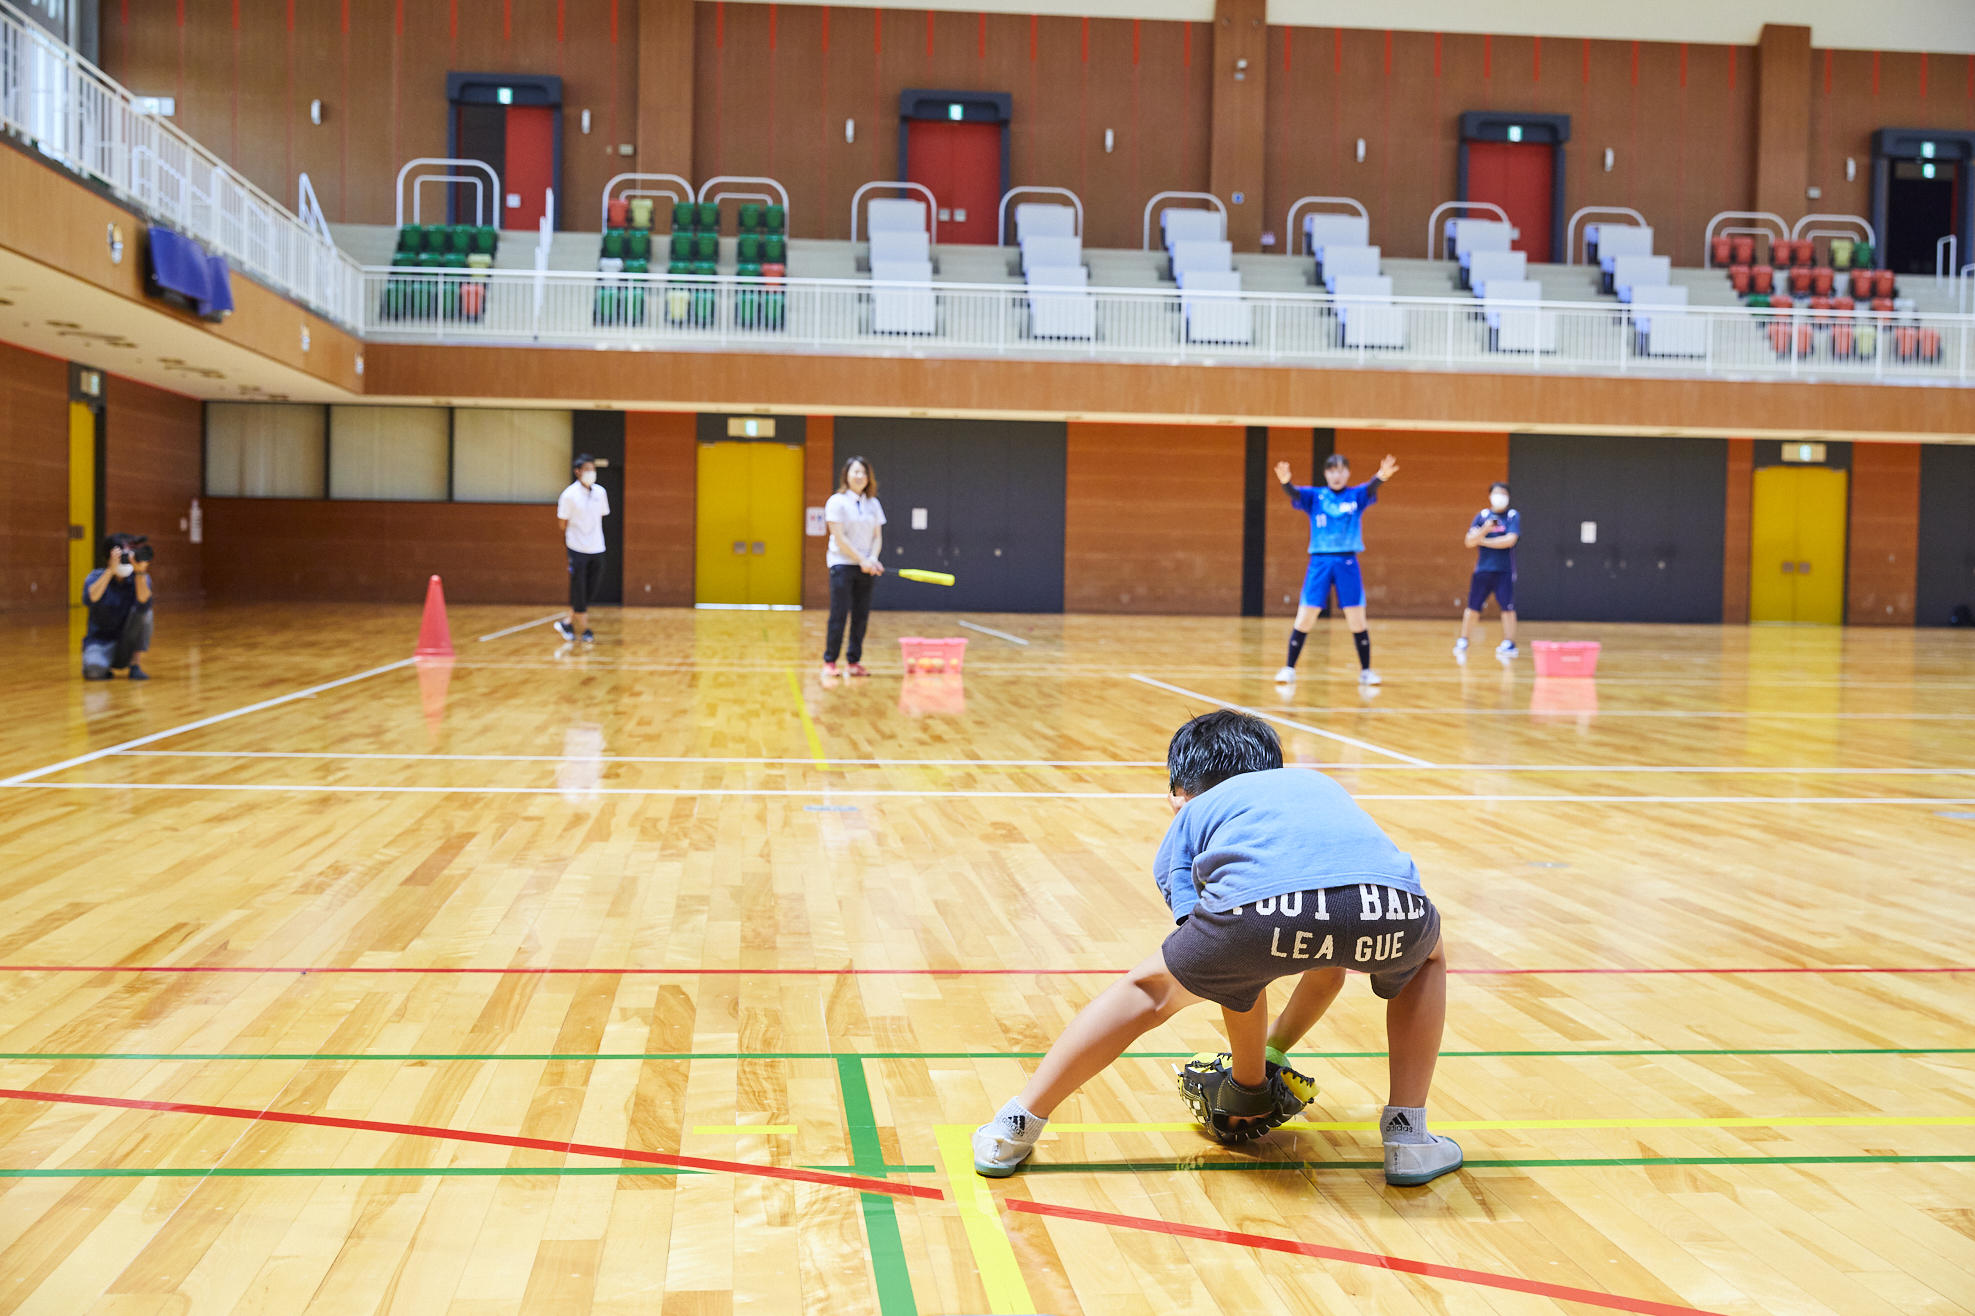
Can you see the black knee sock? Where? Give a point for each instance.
(1296, 639)
(1363, 639)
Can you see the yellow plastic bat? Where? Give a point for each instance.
(925, 577)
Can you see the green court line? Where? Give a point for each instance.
(415, 1056)
(393, 1172)
(1585, 1162)
(867, 1156)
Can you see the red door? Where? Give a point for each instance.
(529, 168)
(961, 163)
(1516, 176)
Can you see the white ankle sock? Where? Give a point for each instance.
(1020, 1124)
(1404, 1124)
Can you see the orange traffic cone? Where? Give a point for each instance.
(435, 674)
(435, 638)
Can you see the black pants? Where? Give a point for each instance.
(585, 579)
(101, 655)
(850, 597)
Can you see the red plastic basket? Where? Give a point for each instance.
(1566, 657)
(924, 655)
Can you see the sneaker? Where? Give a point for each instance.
(1410, 1164)
(565, 630)
(138, 673)
(1461, 649)
(999, 1148)
(1506, 649)
(1287, 676)
(589, 636)
(1368, 677)
(829, 671)
(857, 669)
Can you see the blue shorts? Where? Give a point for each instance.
(1339, 569)
(1502, 584)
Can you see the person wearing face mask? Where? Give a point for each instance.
(580, 511)
(1493, 535)
(118, 596)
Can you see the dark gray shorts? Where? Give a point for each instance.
(1229, 958)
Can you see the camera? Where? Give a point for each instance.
(138, 549)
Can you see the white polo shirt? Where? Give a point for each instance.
(860, 516)
(585, 510)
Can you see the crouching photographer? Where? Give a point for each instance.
(118, 596)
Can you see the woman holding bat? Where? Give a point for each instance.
(857, 539)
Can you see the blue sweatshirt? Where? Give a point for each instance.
(1335, 514)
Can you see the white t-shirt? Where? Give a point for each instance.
(860, 516)
(585, 510)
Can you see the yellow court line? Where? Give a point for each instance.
(779, 1130)
(808, 726)
(1749, 1122)
(994, 1255)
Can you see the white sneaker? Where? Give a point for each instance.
(1410, 1164)
(1461, 649)
(1368, 677)
(1506, 649)
(1287, 676)
(565, 630)
(998, 1152)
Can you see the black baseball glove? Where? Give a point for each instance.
(1234, 1114)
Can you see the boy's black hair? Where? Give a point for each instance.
(1503, 485)
(1337, 459)
(581, 460)
(1209, 749)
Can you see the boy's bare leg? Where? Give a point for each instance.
(1122, 1013)
(1312, 996)
(1414, 1022)
(1468, 618)
(1247, 1038)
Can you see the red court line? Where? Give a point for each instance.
(860, 1182)
(1263, 1242)
(623, 972)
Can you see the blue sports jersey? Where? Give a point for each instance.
(1335, 514)
(1497, 523)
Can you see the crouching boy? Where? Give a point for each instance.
(1271, 872)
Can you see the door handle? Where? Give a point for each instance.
(1803, 568)
(1789, 568)
(740, 547)
(760, 549)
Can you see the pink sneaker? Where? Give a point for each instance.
(829, 669)
(857, 669)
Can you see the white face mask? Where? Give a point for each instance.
(124, 569)
(588, 478)
(1499, 501)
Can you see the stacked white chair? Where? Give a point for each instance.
(1514, 327)
(901, 268)
(1615, 241)
(1320, 232)
(1036, 219)
(1060, 304)
(1199, 256)
(1662, 327)
(1220, 316)
(1473, 236)
(1630, 273)
(1341, 262)
(1177, 225)
(1364, 305)
(1051, 252)
(1486, 267)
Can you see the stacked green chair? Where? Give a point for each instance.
(637, 245)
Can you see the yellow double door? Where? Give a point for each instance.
(1797, 544)
(749, 541)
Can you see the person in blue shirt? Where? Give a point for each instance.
(1336, 512)
(1271, 872)
(1493, 535)
(118, 596)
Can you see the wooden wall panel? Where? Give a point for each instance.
(244, 75)
(1415, 563)
(155, 459)
(1782, 125)
(1152, 519)
(661, 481)
(1677, 118)
(1159, 393)
(360, 552)
(1240, 116)
(1884, 549)
(34, 479)
(1285, 531)
(1735, 532)
(1853, 93)
(819, 480)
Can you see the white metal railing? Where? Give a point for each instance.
(836, 316)
(77, 116)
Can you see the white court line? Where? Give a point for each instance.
(1271, 717)
(23, 778)
(1121, 764)
(524, 626)
(999, 635)
(578, 793)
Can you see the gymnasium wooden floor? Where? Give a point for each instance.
(662, 979)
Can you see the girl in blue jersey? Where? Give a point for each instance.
(1336, 538)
